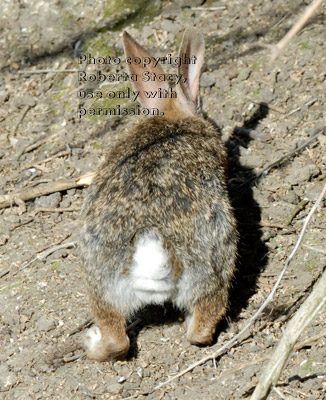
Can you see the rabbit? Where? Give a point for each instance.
(158, 223)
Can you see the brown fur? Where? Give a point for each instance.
(166, 176)
(114, 343)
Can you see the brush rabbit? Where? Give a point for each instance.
(158, 224)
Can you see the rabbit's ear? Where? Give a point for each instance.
(148, 88)
(192, 45)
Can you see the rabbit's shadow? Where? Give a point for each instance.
(251, 249)
(152, 315)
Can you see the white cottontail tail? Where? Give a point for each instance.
(158, 224)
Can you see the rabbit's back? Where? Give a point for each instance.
(162, 174)
(165, 181)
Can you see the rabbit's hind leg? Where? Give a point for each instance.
(107, 339)
(203, 319)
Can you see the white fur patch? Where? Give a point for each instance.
(92, 338)
(150, 273)
(149, 279)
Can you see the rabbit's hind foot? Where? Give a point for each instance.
(103, 347)
(202, 322)
(107, 340)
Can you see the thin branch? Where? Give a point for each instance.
(308, 104)
(208, 8)
(310, 340)
(286, 156)
(133, 324)
(46, 253)
(74, 358)
(270, 224)
(36, 144)
(261, 308)
(58, 210)
(300, 320)
(297, 324)
(269, 106)
(20, 119)
(29, 220)
(46, 160)
(65, 237)
(290, 154)
(246, 364)
(81, 386)
(4, 273)
(281, 395)
(317, 249)
(299, 207)
(80, 327)
(31, 193)
(309, 11)
(46, 71)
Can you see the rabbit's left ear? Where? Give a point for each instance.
(192, 45)
(146, 89)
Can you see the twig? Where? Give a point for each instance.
(133, 396)
(20, 119)
(46, 253)
(73, 358)
(269, 106)
(81, 327)
(45, 71)
(31, 193)
(270, 224)
(21, 224)
(261, 308)
(265, 357)
(301, 319)
(35, 145)
(4, 273)
(308, 104)
(244, 365)
(58, 210)
(280, 46)
(278, 392)
(208, 8)
(86, 180)
(156, 38)
(46, 160)
(41, 168)
(41, 251)
(311, 102)
(300, 206)
(310, 340)
(281, 159)
(317, 249)
(82, 387)
(290, 154)
(280, 21)
(133, 324)
(55, 244)
(294, 111)
(297, 324)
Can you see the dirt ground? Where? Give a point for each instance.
(265, 110)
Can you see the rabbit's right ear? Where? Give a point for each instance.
(192, 45)
(134, 50)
